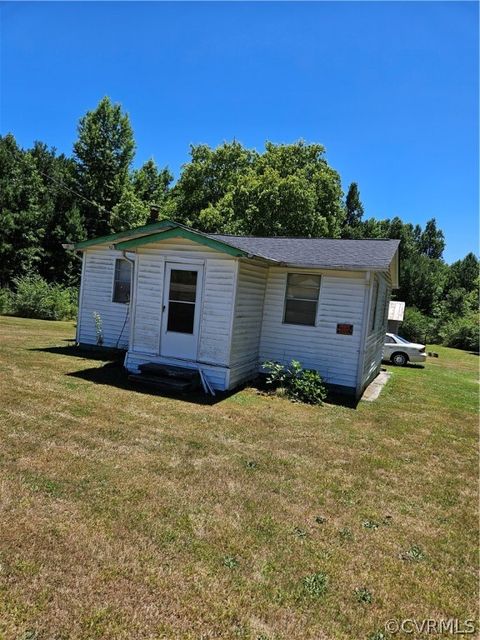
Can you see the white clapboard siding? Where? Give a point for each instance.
(217, 298)
(147, 303)
(318, 347)
(375, 340)
(247, 321)
(97, 288)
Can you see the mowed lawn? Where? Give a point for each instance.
(131, 515)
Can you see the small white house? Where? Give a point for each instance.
(225, 304)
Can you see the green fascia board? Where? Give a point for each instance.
(113, 237)
(181, 232)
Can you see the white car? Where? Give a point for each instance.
(400, 351)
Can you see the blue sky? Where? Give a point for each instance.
(390, 89)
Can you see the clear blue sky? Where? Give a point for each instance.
(391, 89)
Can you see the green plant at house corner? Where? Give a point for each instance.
(300, 385)
(98, 328)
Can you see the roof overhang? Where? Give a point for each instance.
(181, 232)
(145, 230)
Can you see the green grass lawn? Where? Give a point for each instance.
(131, 515)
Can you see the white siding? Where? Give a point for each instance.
(375, 339)
(97, 288)
(318, 347)
(216, 304)
(247, 321)
(147, 303)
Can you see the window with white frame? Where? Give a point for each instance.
(122, 281)
(301, 298)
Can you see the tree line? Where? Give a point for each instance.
(48, 199)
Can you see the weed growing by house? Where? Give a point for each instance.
(97, 318)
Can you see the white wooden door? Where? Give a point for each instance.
(181, 310)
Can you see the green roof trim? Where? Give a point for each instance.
(131, 233)
(182, 232)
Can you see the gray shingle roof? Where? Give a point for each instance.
(318, 252)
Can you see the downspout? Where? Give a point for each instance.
(129, 308)
(363, 341)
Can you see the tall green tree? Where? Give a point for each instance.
(151, 184)
(432, 240)
(353, 206)
(104, 152)
(21, 218)
(463, 274)
(61, 216)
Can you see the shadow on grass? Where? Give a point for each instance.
(113, 374)
(91, 353)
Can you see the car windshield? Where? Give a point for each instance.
(402, 340)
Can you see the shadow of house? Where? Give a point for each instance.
(86, 353)
(113, 374)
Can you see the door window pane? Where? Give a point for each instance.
(183, 285)
(180, 317)
(182, 297)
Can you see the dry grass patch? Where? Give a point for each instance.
(131, 515)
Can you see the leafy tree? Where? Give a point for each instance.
(207, 178)
(20, 212)
(150, 184)
(104, 152)
(129, 212)
(463, 274)
(422, 280)
(61, 215)
(432, 240)
(289, 189)
(353, 206)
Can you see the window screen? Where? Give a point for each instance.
(301, 298)
(122, 281)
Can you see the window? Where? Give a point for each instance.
(122, 281)
(389, 340)
(301, 298)
(373, 310)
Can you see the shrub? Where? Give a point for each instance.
(462, 333)
(5, 301)
(416, 326)
(36, 298)
(300, 385)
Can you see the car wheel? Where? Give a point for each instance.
(399, 359)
